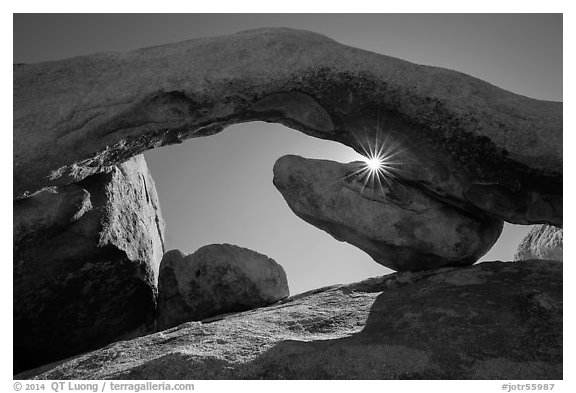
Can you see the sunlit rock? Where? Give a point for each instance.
(542, 242)
(86, 260)
(398, 225)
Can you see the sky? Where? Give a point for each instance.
(219, 189)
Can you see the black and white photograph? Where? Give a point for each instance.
(287, 196)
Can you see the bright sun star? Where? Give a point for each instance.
(374, 163)
(383, 159)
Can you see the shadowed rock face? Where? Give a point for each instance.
(542, 242)
(477, 146)
(493, 320)
(216, 279)
(398, 225)
(86, 260)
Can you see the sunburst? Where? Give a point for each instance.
(383, 161)
(385, 157)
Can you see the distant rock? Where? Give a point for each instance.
(478, 146)
(216, 279)
(493, 320)
(398, 225)
(86, 262)
(542, 242)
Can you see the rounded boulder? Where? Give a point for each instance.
(216, 279)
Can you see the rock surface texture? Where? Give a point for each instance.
(398, 225)
(216, 279)
(475, 145)
(86, 260)
(542, 242)
(493, 320)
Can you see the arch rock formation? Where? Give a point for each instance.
(477, 147)
(464, 145)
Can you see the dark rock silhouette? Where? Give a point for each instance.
(86, 262)
(542, 242)
(398, 225)
(493, 320)
(216, 279)
(477, 146)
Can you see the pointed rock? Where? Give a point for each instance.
(399, 226)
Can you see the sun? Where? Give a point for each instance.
(380, 164)
(381, 160)
(374, 163)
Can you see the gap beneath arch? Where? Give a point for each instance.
(218, 189)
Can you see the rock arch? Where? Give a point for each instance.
(478, 147)
(80, 123)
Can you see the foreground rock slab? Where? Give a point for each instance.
(542, 242)
(86, 260)
(399, 226)
(477, 146)
(216, 279)
(493, 320)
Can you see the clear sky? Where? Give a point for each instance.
(219, 189)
